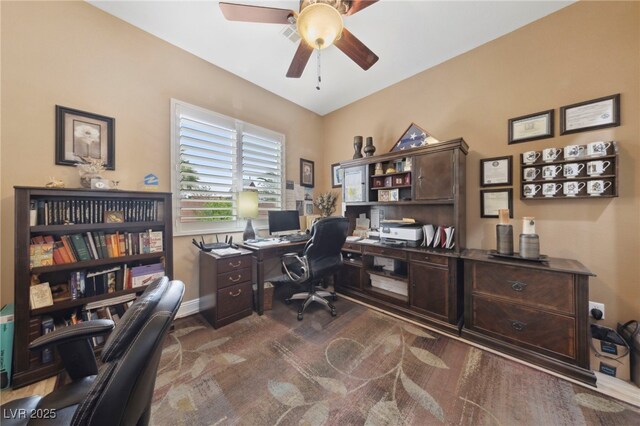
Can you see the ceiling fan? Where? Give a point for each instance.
(319, 23)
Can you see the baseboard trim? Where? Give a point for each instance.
(189, 307)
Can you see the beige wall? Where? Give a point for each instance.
(588, 50)
(72, 54)
(77, 56)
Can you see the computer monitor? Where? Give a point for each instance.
(283, 222)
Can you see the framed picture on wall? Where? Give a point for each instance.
(84, 135)
(336, 175)
(492, 200)
(531, 127)
(306, 173)
(590, 115)
(496, 171)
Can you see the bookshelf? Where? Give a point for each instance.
(144, 239)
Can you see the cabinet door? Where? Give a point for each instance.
(350, 276)
(434, 176)
(354, 185)
(429, 289)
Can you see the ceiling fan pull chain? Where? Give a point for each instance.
(319, 79)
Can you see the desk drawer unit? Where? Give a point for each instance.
(386, 252)
(225, 287)
(534, 311)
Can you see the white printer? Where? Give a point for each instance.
(398, 233)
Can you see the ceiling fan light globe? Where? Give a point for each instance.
(319, 25)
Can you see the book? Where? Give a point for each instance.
(80, 246)
(68, 247)
(40, 255)
(47, 326)
(92, 246)
(40, 296)
(146, 274)
(122, 245)
(144, 243)
(155, 241)
(103, 245)
(57, 254)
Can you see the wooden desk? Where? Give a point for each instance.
(259, 255)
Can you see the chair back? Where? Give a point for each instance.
(324, 249)
(123, 389)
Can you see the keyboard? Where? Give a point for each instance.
(293, 238)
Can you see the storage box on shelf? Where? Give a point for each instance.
(421, 283)
(91, 262)
(576, 176)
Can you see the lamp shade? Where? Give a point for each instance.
(319, 25)
(248, 204)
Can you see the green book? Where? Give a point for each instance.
(81, 247)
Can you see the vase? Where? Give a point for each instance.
(357, 146)
(504, 239)
(85, 179)
(369, 149)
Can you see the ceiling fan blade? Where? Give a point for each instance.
(356, 50)
(358, 5)
(246, 13)
(300, 60)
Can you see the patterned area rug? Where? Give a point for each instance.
(361, 367)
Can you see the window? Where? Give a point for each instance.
(214, 157)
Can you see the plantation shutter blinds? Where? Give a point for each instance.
(262, 167)
(214, 158)
(208, 151)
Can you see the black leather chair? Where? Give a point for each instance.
(321, 258)
(120, 391)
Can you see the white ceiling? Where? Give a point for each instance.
(408, 36)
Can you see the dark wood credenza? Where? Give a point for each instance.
(537, 312)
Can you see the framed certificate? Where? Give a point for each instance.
(531, 127)
(496, 171)
(492, 200)
(590, 115)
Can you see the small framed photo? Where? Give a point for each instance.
(113, 216)
(306, 173)
(590, 115)
(531, 127)
(81, 135)
(496, 171)
(336, 175)
(308, 207)
(492, 200)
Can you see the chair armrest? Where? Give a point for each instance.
(83, 330)
(296, 267)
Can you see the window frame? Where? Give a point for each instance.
(232, 226)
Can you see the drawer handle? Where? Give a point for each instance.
(518, 325)
(517, 285)
(237, 294)
(235, 280)
(235, 265)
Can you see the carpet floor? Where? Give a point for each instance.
(361, 367)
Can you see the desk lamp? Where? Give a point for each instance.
(248, 209)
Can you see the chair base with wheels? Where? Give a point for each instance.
(314, 294)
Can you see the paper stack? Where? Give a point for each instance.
(438, 236)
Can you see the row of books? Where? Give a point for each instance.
(45, 250)
(94, 283)
(85, 211)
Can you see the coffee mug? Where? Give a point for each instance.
(596, 168)
(530, 173)
(550, 154)
(530, 157)
(573, 151)
(550, 172)
(596, 149)
(530, 190)
(550, 189)
(597, 187)
(572, 169)
(571, 189)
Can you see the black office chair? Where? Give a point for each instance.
(120, 392)
(321, 257)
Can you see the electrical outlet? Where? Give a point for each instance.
(596, 305)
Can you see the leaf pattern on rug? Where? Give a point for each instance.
(422, 397)
(213, 344)
(428, 358)
(599, 404)
(332, 385)
(184, 331)
(198, 367)
(317, 415)
(418, 332)
(286, 393)
(384, 413)
(229, 358)
(180, 399)
(391, 343)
